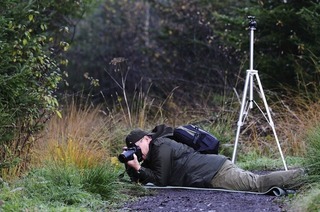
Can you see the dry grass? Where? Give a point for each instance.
(79, 137)
(301, 116)
(293, 116)
(87, 135)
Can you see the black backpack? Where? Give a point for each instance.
(199, 139)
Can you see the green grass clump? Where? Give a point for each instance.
(58, 188)
(100, 180)
(308, 200)
(312, 161)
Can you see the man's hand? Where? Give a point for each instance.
(134, 163)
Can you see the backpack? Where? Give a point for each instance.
(199, 139)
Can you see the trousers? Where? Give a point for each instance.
(234, 178)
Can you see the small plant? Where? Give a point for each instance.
(313, 154)
(100, 180)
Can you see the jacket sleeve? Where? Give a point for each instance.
(160, 171)
(132, 173)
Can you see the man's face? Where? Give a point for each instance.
(143, 143)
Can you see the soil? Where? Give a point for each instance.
(210, 201)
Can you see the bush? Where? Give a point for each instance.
(33, 38)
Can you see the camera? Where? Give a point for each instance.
(127, 154)
(252, 22)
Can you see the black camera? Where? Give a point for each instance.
(252, 22)
(127, 154)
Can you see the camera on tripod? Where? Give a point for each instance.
(252, 22)
(127, 154)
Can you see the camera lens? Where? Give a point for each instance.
(126, 155)
(122, 158)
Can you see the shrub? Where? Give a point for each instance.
(33, 38)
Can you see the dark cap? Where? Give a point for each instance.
(134, 136)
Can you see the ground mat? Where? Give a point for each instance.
(275, 191)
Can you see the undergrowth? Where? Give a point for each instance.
(75, 168)
(58, 188)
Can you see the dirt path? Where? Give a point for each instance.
(177, 200)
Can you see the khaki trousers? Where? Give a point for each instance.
(232, 177)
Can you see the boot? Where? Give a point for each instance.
(284, 179)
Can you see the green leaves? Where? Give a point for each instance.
(286, 41)
(30, 56)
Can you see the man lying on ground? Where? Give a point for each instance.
(169, 163)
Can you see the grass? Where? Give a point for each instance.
(308, 200)
(57, 188)
(252, 161)
(74, 164)
(312, 162)
(60, 188)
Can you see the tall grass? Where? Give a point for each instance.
(74, 162)
(293, 117)
(78, 138)
(312, 161)
(301, 115)
(309, 200)
(72, 165)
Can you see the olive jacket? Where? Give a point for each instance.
(171, 163)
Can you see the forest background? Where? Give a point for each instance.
(125, 64)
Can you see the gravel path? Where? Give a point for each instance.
(210, 201)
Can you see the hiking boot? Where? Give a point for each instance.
(284, 179)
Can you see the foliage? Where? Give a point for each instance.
(308, 200)
(81, 138)
(72, 168)
(153, 37)
(33, 37)
(72, 174)
(55, 187)
(286, 40)
(199, 44)
(313, 153)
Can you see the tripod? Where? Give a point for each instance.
(247, 104)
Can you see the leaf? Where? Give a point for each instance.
(30, 17)
(59, 114)
(43, 27)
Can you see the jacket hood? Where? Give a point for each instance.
(161, 131)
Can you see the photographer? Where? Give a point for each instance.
(169, 163)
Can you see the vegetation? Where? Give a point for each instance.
(311, 161)
(33, 34)
(284, 41)
(75, 165)
(201, 44)
(138, 64)
(56, 187)
(72, 167)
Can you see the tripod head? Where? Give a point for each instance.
(252, 22)
(252, 26)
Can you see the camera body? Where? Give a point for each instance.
(127, 154)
